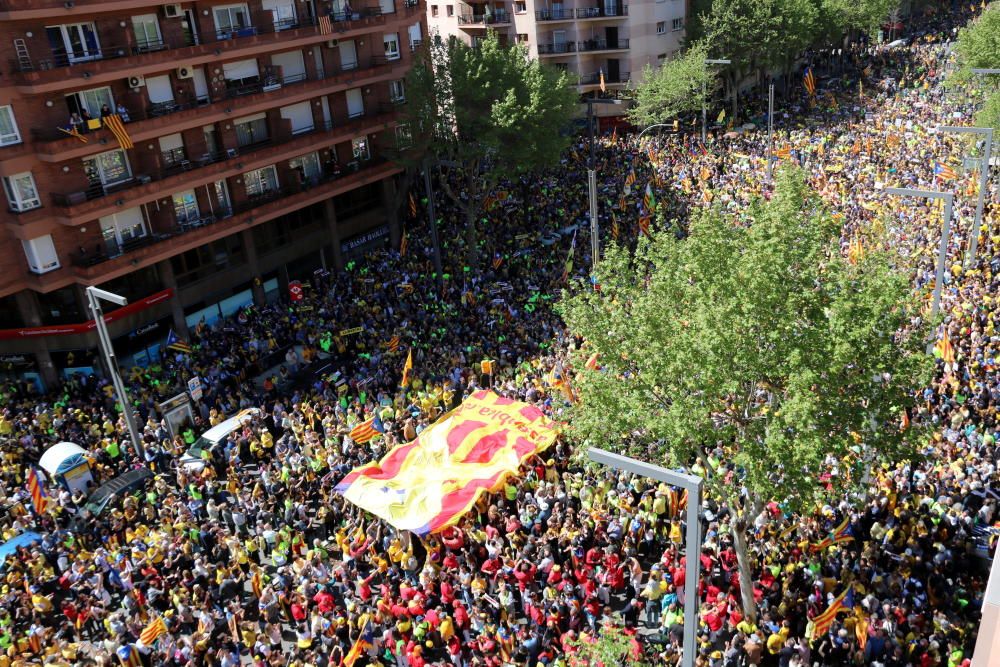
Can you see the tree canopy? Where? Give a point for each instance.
(763, 341)
(978, 43)
(489, 111)
(672, 89)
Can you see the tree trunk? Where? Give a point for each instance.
(738, 530)
(471, 238)
(736, 96)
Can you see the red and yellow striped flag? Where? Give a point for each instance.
(325, 26)
(944, 349)
(821, 624)
(39, 499)
(407, 367)
(364, 432)
(256, 584)
(153, 631)
(117, 127)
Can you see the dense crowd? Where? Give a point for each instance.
(253, 558)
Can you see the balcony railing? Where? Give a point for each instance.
(168, 108)
(186, 165)
(496, 18)
(599, 12)
(595, 78)
(601, 45)
(553, 14)
(60, 57)
(112, 249)
(555, 49)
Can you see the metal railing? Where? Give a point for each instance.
(595, 78)
(553, 14)
(495, 18)
(601, 45)
(600, 12)
(552, 49)
(184, 164)
(109, 250)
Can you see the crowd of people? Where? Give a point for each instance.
(253, 558)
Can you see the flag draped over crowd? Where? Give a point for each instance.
(430, 483)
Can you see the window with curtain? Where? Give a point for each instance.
(9, 134)
(252, 130)
(261, 181)
(147, 32)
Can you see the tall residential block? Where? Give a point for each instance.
(195, 157)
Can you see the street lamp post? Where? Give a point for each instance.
(984, 174)
(704, 94)
(945, 231)
(692, 541)
(94, 296)
(595, 241)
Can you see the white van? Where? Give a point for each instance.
(213, 437)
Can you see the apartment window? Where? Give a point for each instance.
(21, 192)
(231, 18)
(678, 23)
(520, 7)
(119, 228)
(301, 116)
(404, 139)
(147, 32)
(41, 254)
(450, 10)
(282, 13)
(221, 206)
(76, 41)
(434, 11)
(9, 133)
(108, 168)
(90, 100)
(241, 73)
(307, 167)
(391, 43)
(387, 6)
(186, 207)
(251, 130)
(522, 38)
(359, 148)
(397, 91)
(355, 103)
(661, 27)
(261, 181)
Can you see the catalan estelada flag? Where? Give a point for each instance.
(153, 631)
(176, 344)
(644, 226)
(117, 127)
(39, 499)
(944, 171)
(648, 200)
(809, 81)
(129, 656)
(361, 644)
(629, 180)
(944, 349)
(413, 206)
(429, 484)
(842, 533)
(393, 344)
(821, 623)
(367, 431)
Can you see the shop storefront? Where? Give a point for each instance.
(362, 244)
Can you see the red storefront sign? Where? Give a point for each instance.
(88, 326)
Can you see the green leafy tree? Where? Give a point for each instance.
(978, 44)
(989, 115)
(673, 88)
(761, 339)
(863, 15)
(612, 647)
(486, 112)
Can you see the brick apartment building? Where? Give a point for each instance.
(259, 132)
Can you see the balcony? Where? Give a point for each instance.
(114, 259)
(483, 20)
(556, 49)
(601, 45)
(602, 12)
(594, 79)
(554, 15)
(166, 118)
(105, 63)
(183, 171)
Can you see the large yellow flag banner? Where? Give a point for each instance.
(427, 485)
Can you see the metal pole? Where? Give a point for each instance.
(692, 484)
(984, 174)
(942, 255)
(770, 128)
(439, 272)
(104, 342)
(595, 244)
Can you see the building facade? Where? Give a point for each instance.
(194, 157)
(584, 37)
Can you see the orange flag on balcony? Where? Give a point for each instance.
(74, 131)
(325, 27)
(603, 87)
(117, 127)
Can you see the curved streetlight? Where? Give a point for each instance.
(652, 127)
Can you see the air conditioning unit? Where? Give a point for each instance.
(333, 43)
(172, 11)
(137, 81)
(185, 72)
